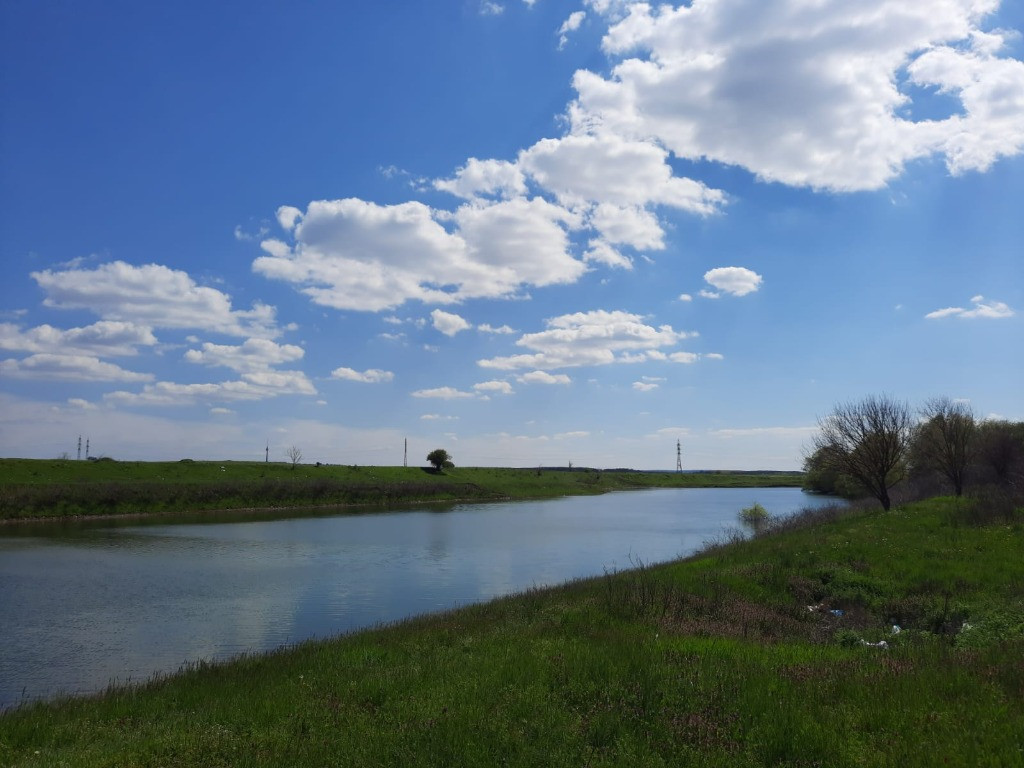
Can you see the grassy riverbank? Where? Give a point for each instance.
(713, 661)
(31, 489)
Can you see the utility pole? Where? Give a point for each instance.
(679, 456)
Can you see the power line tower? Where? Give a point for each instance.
(679, 456)
(405, 457)
(79, 447)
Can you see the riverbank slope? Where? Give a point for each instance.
(776, 650)
(34, 489)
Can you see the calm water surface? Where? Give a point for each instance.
(86, 604)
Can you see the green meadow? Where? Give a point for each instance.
(782, 649)
(32, 488)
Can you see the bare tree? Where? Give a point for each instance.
(294, 455)
(945, 440)
(867, 440)
(1000, 453)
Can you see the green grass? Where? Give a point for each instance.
(713, 661)
(34, 488)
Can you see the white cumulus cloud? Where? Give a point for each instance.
(369, 376)
(543, 377)
(354, 254)
(448, 323)
(811, 93)
(258, 385)
(814, 94)
(574, 435)
(683, 357)
(154, 296)
(991, 310)
(500, 330)
(606, 168)
(252, 355)
(479, 178)
(106, 338)
(628, 225)
(68, 368)
(571, 24)
(601, 251)
(501, 387)
(736, 281)
(443, 393)
(589, 338)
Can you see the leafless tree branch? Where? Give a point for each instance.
(945, 440)
(867, 440)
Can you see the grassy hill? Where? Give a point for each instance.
(779, 650)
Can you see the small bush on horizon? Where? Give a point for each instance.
(441, 459)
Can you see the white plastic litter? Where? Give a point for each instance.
(879, 644)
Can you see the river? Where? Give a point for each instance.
(89, 603)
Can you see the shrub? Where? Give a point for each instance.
(847, 638)
(754, 514)
(440, 458)
(993, 629)
(756, 517)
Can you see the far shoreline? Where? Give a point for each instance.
(55, 491)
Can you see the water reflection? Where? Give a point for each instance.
(90, 602)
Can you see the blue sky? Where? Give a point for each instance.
(527, 232)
